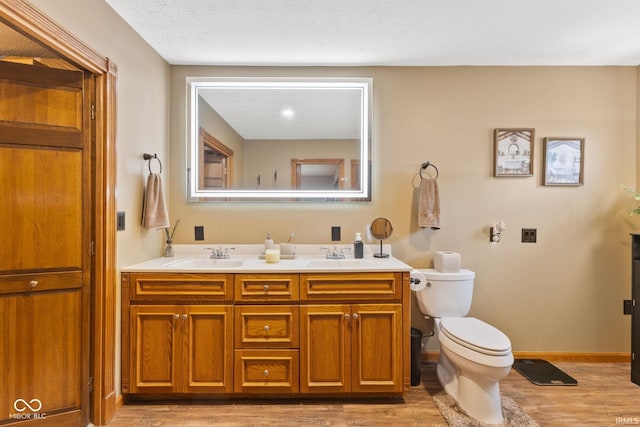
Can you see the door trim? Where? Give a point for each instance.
(26, 19)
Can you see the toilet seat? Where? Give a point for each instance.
(476, 335)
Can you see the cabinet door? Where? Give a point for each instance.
(207, 349)
(376, 347)
(155, 342)
(325, 353)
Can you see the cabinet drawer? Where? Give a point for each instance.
(266, 326)
(38, 282)
(266, 287)
(266, 371)
(351, 286)
(180, 286)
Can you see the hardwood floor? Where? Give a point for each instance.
(604, 396)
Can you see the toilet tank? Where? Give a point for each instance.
(446, 294)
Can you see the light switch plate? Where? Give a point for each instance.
(120, 223)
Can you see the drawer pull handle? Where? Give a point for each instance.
(33, 283)
(266, 328)
(346, 316)
(265, 287)
(355, 316)
(266, 372)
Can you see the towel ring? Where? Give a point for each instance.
(425, 166)
(149, 157)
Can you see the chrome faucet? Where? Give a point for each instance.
(335, 253)
(218, 253)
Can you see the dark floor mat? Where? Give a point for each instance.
(541, 372)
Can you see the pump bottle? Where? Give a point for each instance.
(358, 247)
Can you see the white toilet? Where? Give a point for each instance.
(474, 356)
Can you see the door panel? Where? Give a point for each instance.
(40, 338)
(325, 356)
(43, 190)
(45, 203)
(208, 349)
(376, 345)
(154, 335)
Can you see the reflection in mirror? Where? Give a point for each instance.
(381, 229)
(277, 139)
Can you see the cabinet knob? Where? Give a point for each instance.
(266, 328)
(346, 316)
(176, 316)
(184, 316)
(266, 372)
(265, 287)
(33, 283)
(355, 316)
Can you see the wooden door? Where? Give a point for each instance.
(376, 347)
(45, 210)
(207, 349)
(156, 332)
(325, 353)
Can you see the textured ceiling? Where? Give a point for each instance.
(388, 32)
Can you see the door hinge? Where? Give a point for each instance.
(92, 248)
(90, 385)
(93, 111)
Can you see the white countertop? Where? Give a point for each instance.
(246, 259)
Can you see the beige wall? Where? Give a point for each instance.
(143, 108)
(563, 293)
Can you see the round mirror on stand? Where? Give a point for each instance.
(381, 229)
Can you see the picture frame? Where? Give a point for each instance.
(513, 152)
(563, 161)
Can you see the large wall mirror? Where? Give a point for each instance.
(279, 139)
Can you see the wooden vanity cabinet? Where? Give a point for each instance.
(177, 334)
(266, 333)
(353, 347)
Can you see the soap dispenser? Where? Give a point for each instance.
(268, 242)
(358, 247)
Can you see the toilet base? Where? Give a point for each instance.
(477, 394)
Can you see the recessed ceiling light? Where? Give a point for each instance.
(287, 113)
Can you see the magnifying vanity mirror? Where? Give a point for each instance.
(381, 229)
(279, 139)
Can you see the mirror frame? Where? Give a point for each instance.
(194, 194)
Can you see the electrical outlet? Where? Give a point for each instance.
(627, 306)
(529, 235)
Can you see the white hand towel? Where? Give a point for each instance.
(429, 204)
(154, 209)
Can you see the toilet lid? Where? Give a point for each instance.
(476, 335)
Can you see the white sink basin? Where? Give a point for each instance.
(339, 263)
(204, 263)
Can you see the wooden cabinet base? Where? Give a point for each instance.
(259, 335)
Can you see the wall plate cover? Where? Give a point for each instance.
(335, 233)
(199, 232)
(120, 223)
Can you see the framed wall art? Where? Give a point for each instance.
(513, 152)
(563, 161)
